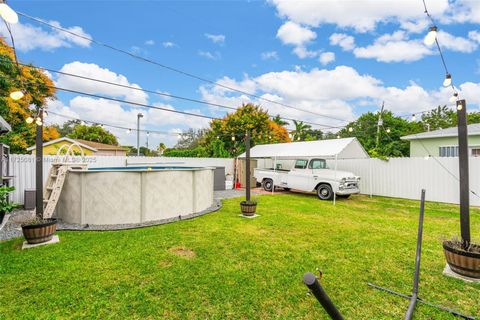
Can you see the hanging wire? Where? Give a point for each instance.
(185, 73)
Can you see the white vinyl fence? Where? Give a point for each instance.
(22, 167)
(405, 177)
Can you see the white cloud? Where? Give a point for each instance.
(269, 55)
(326, 57)
(294, 34)
(28, 37)
(92, 70)
(150, 42)
(474, 35)
(341, 92)
(361, 15)
(291, 33)
(168, 44)
(215, 38)
(210, 55)
(343, 40)
(114, 113)
(458, 44)
(395, 47)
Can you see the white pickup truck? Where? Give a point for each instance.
(310, 175)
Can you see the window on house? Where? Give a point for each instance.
(476, 152)
(451, 151)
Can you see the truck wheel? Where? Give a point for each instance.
(324, 192)
(267, 184)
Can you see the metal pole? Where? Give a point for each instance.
(39, 166)
(464, 175)
(334, 193)
(312, 283)
(247, 166)
(413, 300)
(138, 133)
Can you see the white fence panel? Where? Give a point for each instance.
(22, 167)
(405, 177)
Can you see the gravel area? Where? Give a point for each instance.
(12, 227)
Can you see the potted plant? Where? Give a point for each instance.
(463, 258)
(39, 230)
(5, 205)
(248, 207)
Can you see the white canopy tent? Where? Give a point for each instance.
(346, 148)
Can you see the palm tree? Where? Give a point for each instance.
(278, 120)
(301, 130)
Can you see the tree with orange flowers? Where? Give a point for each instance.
(37, 88)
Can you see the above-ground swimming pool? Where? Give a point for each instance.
(126, 195)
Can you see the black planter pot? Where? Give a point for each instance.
(248, 209)
(465, 263)
(41, 232)
(2, 216)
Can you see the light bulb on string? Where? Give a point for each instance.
(82, 123)
(29, 120)
(414, 117)
(431, 36)
(129, 130)
(17, 95)
(338, 137)
(454, 97)
(148, 133)
(233, 138)
(38, 121)
(7, 13)
(459, 106)
(448, 80)
(388, 130)
(350, 129)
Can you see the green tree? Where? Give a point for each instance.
(38, 89)
(232, 128)
(66, 128)
(302, 131)
(390, 144)
(278, 120)
(190, 139)
(161, 148)
(93, 133)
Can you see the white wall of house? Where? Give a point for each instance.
(22, 167)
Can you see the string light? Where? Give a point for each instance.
(388, 130)
(29, 120)
(448, 80)
(350, 129)
(7, 13)
(233, 138)
(39, 121)
(454, 97)
(129, 131)
(459, 106)
(414, 117)
(431, 36)
(17, 95)
(338, 137)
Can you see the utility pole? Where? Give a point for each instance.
(379, 124)
(139, 115)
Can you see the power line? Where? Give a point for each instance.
(160, 93)
(185, 73)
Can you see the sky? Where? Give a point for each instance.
(334, 58)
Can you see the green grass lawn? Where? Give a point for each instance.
(221, 266)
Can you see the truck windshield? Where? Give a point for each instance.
(317, 164)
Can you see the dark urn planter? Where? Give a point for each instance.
(248, 208)
(465, 263)
(40, 232)
(2, 216)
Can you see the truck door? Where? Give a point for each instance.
(317, 169)
(299, 175)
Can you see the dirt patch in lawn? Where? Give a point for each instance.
(183, 252)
